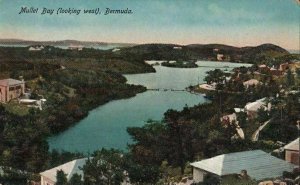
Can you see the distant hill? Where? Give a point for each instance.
(192, 52)
(253, 54)
(61, 43)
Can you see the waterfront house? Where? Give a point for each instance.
(291, 151)
(209, 87)
(177, 47)
(257, 163)
(75, 47)
(116, 49)
(220, 57)
(48, 177)
(36, 48)
(11, 89)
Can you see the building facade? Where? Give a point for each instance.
(292, 152)
(11, 89)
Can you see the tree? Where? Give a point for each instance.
(216, 76)
(290, 80)
(242, 119)
(141, 173)
(180, 132)
(105, 168)
(298, 72)
(76, 180)
(149, 146)
(61, 178)
(262, 115)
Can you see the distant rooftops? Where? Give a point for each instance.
(259, 164)
(75, 47)
(10, 82)
(36, 48)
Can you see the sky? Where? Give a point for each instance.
(232, 22)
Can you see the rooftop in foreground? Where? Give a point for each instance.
(259, 164)
(9, 82)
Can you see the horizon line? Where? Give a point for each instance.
(141, 43)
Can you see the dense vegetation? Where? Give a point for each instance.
(74, 82)
(265, 52)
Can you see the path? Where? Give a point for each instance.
(256, 133)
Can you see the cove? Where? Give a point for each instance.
(106, 125)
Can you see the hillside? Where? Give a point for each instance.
(62, 43)
(256, 54)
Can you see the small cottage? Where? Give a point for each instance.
(291, 151)
(252, 108)
(258, 164)
(73, 167)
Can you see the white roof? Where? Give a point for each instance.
(294, 145)
(116, 49)
(69, 168)
(75, 46)
(261, 103)
(254, 106)
(10, 81)
(177, 47)
(259, 165)
(237, 110)
(207, 87)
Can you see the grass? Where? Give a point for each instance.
(15, 108)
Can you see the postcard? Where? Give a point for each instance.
(140, 92)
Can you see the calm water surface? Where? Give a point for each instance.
(106, 125)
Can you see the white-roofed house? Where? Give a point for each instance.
(252, 107)
(258, 164)
(36, 48)
(11, 89)
(48, 177)
(75, 47)
(292, 152)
